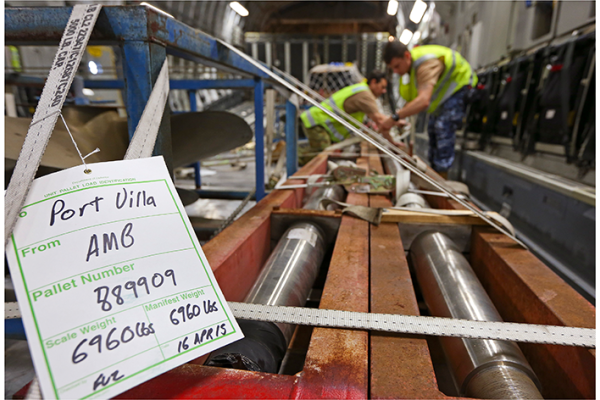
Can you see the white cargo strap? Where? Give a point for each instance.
(142, 143)
(435, 326)
(11, 311)
(412, 324)
(70, 51)
(62, 72)
(34, 392)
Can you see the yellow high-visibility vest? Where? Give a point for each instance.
(457, 73)
(315, 116)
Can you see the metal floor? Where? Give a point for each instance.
(223, 177)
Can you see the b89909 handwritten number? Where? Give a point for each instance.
(157, 281)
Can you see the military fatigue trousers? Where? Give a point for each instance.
(318, 140)
(443, 124)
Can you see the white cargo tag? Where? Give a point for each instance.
(303, 234)
(504, 115)
(113, 286)
(550, 114)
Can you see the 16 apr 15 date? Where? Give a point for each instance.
(200, 337)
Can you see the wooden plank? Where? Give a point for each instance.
(337, 360)
(400, 365)
(300, 212)
(374, 160)
(523, 289)
(457, 217)
(392, 292)
(445, 203)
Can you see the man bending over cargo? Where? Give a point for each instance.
(357, 100)
(436, 81)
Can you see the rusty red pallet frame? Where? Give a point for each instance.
(356, 364)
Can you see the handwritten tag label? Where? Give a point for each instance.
(113, 285)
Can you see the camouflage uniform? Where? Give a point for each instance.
(318, 140)
(443, 124)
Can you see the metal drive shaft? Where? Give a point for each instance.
(286, 280)
(489, 369)
(290, 271)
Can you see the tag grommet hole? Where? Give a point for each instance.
(87, 171)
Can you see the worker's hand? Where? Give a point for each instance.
(401, 123)
(386, 135)
(401, 145)
(387, 124)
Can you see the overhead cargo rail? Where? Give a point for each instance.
(116, 24)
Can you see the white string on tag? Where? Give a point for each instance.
(86, 170)
(96, 150)
(44, 118)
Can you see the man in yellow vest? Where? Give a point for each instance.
(436, 80)
(357, 100)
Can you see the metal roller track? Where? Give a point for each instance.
(371, 137)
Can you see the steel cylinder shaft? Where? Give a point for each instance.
(290, 271)
(489, 369)
(333, 193)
